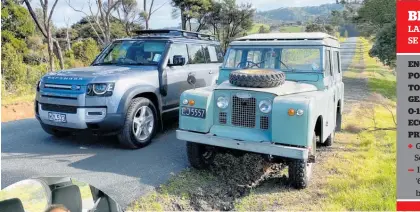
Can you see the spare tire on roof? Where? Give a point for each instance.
(257, 78)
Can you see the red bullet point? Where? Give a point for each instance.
(410, 170)
(410, 146)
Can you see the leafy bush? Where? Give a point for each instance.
(85, 50)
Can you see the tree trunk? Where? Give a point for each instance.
(50, 50)
(146, 21)
(183, 19)
(59, 53)
(68, 39)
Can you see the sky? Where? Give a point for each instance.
(162, 17)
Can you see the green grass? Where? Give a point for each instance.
(13, 99)
(365, 178)
(292, 29)
(256, 27)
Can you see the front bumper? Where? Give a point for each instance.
(250, 146)
(94, 118)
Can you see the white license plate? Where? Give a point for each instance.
(57, 117)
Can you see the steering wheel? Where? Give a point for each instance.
(249, 64)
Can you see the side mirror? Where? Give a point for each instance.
(178, 60)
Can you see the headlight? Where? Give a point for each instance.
(100, 89)
(222, 102)
(265, 106)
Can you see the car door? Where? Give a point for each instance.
(176, 76)
(214, 61)
(329, 91)
(198, 64)
(337, 78)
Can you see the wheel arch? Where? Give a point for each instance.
(148, 92)
(319, 128)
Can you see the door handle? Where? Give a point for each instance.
(210, 72)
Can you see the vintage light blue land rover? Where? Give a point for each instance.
(277, 94)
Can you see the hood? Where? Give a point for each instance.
(289, 87)
(83, 76)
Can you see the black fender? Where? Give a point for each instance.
(138, 91)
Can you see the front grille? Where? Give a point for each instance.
(243, 112)
(222, 118)
(58, 86)
(59, 108)
(264, 124)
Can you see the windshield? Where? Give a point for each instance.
(282, 58)
(132, 52)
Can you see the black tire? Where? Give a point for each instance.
(126, 137)
(330, 139)
(338, 122)
(257, 78)
(200, 156)
(54, 131)
(300, 171)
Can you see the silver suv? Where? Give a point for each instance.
(129, 87)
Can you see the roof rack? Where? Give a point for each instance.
(173, 33)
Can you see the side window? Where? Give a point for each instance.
(196, 54)
(327, 60)
(206, 53)
(336, 62)
(234, 58)
(178, 49)
(214, 55)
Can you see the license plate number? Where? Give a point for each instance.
(57, 117)
(193, 112)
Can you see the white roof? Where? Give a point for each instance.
(288, 36)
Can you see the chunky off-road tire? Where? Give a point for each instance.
(330, 139)
(200, 156)
(54, 131)
(300, 171)
(338, 122)
(257, 78)
(128, 136)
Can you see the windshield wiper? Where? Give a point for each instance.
(102, 64)
(288, 68)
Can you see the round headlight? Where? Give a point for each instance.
(185, 101)
(265, 106)
(100, 88)
(299, 112)
(222, 102)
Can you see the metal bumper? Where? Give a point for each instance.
(250, 146)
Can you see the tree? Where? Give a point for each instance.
(192, 9)
(230, 20)
(148, 11)
(45, 28)
(315, 27)
(86, 50)
(263, 29)
(17, 26)
(129, 11)
(384, 47)
(101, 19)
(377, 19)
